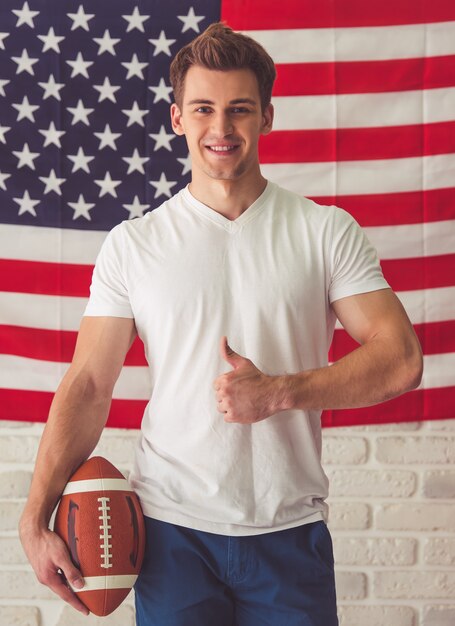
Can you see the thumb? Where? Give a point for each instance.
(231, 357)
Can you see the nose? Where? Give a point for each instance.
(221, 124)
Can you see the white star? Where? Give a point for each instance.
(3, 82)
(107, 43)
(162, 44)
(51, 88)
(3, 130)
(25, 110)
(52, 183)
(107, 138)
(135, 20)
(80, 113)
(135, 162)
(135, 114)
(161, 91)
(108, 185)
(80, 19)
(26, 157)
(26, 204)
(79, 66)
(106, 90)
(51, 41)
(52, 135)
(163, 186)
(3, 177)
(134, 67)
(186, 164)
(2, 37)
(162, 139)
(25, 15)
(136, 209)
(80, 161)
(191, 21)
(25, 63)
(81, 208)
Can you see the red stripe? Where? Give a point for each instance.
(357, 144)
(420, 273)
(409, 207)
(270, 15)
(62, 279)
(428, 404)
(349, 77)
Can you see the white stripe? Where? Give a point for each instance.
(96, 484)
(413, 240)
(364, 177)
(99, 583)
(316, 45)
(397, 108)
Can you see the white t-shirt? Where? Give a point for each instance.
(188, 275)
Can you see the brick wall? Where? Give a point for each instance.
(392, 519)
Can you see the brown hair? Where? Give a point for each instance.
(220, 48)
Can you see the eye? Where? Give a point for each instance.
(203, 109)
(240, 110)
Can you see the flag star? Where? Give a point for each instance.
(162, 139)
(108, 185)
(25, 63)
(80, 19)
(3, 177)
(81, 208)
(135, 162)
(3, 82)
(135, 114)
(79, 66)
(3, 36)
(80, 161)
(26, 204)
(107, 43)
(26, 110)
(106, 90)
(3, 130)
(161, 91)
(162, 44)
(52, 135)
(191, 21)
(80, 113)
(107, 138)
(51, 88)
(135, 20)
(51, 41)
(163, 186)
(134, 67)
(136, 209)
(26, 157)
(186, 164)
(25, 15)
(52, 183)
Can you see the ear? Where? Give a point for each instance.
(267, 119)
(176, 120)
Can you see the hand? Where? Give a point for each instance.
(245, 395)
(52, 564)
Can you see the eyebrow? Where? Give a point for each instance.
(236, 101)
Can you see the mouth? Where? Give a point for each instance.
(222, 149)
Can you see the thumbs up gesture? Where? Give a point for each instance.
(246, 395)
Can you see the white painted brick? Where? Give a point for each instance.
(123, 616)
(440, 551)
(344, 450)
(376, 615)
(415, 516)
(15, 484)
(444, 425)
(348, 516)
(23, 584)
(18, 449)
(416, 450)
(10, 513)
(439, 616)
(118, 450)
(414, 584)
(15, 424)
(350, 585)
(374, 551)
(439, 484)
(19, 616)
(11, 552)
(381, 428)
(371, 483)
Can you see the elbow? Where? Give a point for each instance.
(412, 367)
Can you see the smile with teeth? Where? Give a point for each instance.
(222, 148)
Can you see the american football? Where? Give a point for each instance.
(100, 520)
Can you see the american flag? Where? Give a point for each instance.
(365, 119)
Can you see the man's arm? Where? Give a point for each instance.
(387, 364)
(77, 417)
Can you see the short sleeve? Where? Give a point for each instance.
(354, 261)
(108, 290)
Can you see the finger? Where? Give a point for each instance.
(227, 354)
(58, 584)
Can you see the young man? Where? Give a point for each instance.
(228, 464)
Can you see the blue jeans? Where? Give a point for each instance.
(194, 578)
